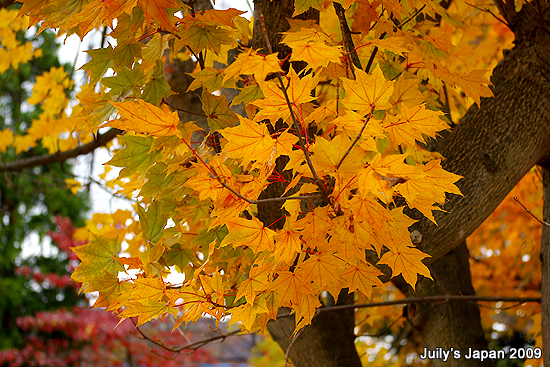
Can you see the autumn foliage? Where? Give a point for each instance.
(346, 129)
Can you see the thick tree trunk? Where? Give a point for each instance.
(453, 327)
(327, 342)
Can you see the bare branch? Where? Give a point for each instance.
(21, 164)
(435, 299)
(346, 37)
(192, 346)
(291, 344)
(355, 141)
(531, 214)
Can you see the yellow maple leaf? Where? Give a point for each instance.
(252, 63)
(257, 281)
(251, 141)
(274, 105)
(323, 269)
(406, 261)
(287, 245)
(327, 154)
(305, 310)
(290, 287)
(474, 84)
(244, 232)
(406, 91)
(248, 312)
(315, 54)
(367, 92)
(362, 277)
(145, 118)
(147, 310)
(412, 124)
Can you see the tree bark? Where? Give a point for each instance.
(454, 325)
(327, 342)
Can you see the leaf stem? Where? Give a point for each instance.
(355, 141)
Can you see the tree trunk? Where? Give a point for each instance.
(451, 326)
(327, 342)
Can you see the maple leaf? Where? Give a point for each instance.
(109, 288)
(147, 310)
(323, 269)
(290, 286)
(307, 307)
(97, 258)
(368, 92)
(257, 281)
(274, 105)
(315, 54)
(145, 118)
(328, 154)
(252, 63)
(474, 84)
(251, 233)
(406, 261)
(251, 141)
(412, 124)
(156, 11)
(362, 277)
(248, 312)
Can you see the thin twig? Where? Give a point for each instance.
(291, 344)
(355, 141)
(181, 109)
(318, 181)
(488, 11)
(531, 214)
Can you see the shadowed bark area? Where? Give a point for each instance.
(327, 342)
(449, 325)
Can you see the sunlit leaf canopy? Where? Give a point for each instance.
(351, 140)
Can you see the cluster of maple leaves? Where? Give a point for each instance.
(368, 104)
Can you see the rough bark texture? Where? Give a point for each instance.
(327, 342)
(450, 325)
(545, 267)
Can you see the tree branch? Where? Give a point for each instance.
(21, 164)
(434, 299)
(346, 38)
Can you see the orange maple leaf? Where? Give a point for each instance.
(145, 118)
(406, 261)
